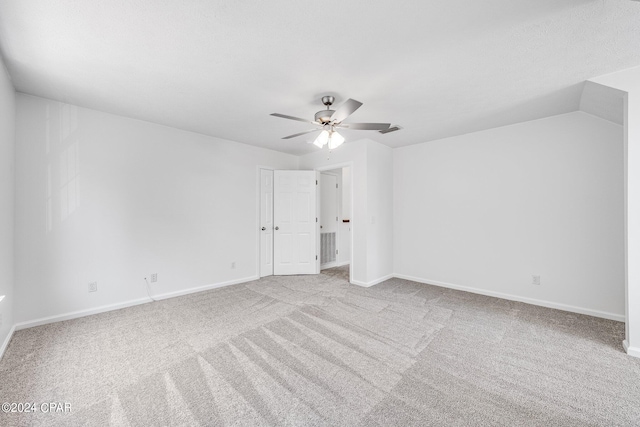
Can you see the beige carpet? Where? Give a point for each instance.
(314, 350)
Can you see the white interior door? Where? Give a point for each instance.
(328, 220)
(266, 222)
(295, 223)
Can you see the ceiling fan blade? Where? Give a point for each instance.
(301, 133)
(345, 110)
(284, 116)
(365, 126)
(391, 129)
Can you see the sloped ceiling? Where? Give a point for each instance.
(219, 67)
(603, 101)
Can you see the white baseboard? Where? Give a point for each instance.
(359, 283)
(5, 344)
(340, 264)
(631, 351)
(373, 282)
(79, 313)
(118, 306)
(204, 288)
(533, 301)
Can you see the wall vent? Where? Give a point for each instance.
(327, 248)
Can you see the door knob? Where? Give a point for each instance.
(264, 228)
(277, 228)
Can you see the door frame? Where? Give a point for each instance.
(339, 214)
(260, 224)
(258, 234)
(348, 164)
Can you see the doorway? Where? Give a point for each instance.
(335, 218)
(329, 213)
(288, 224)
(279, 246)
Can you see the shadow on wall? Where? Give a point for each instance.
(63, 163)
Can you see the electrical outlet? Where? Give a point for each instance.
(535, 280)
(93, 287)
(154, 277)
(233, 265)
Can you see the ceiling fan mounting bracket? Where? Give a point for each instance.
(323, 117)
(328, 100)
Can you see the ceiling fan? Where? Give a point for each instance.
(329, 120)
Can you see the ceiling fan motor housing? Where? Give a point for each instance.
(324, 116)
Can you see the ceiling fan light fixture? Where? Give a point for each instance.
(335, 140)
(322, 139)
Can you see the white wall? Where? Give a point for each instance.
(127, 199)
(344, 254)
(7, 162)
(629, 82)
(379, 212)
(490, 209)
(346, 192)
(632, 217)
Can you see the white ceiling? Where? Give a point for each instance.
(219, 67)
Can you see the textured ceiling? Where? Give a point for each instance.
(219, 67)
